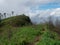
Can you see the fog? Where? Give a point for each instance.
(38, 18)
(45, 19)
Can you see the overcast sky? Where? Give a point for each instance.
(31, 7)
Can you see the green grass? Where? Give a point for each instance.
(16, 21)
(28, 35)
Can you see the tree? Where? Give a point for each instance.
(50, 20)
(12, 12)
(50, 23)
(5, 15)
(0, 19)
(57, 23)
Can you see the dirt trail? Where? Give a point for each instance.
(37, 38)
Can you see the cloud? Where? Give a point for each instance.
(32, 8)
(22, 5)
(40, 16)
(2, 1)
(56, 12)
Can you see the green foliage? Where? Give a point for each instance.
(27, 35)
(20, 20)
(48, 38)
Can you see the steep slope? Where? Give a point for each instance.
(20, 20)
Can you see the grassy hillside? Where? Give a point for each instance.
(27, 34)
(16, 21)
